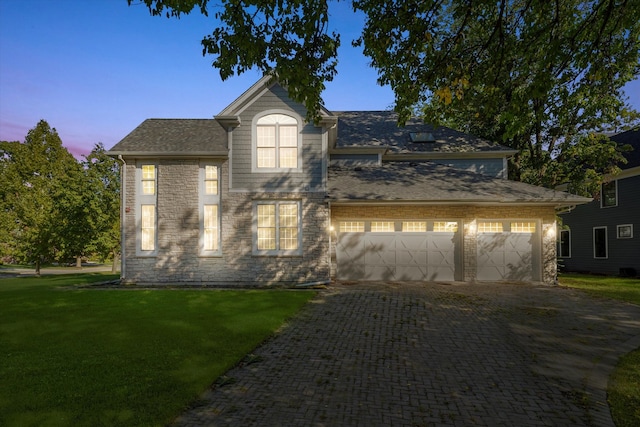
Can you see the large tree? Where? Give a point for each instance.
(39, 200)
(102, 176)
(538, 75)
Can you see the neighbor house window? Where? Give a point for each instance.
(276, 143)
(625, 231)
(564, 244)
(209, 209)
(146, 214)
(277, 228)
(609, 194)
(600, 242)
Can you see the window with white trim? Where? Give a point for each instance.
(600, 245)
(609, 194)
(276, 143)
(148, 228)
(624, 231)
(146, 216)
(564, 244)
(209, 209)
(277, 228)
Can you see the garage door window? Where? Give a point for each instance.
(352, 226)
(523, 227)
(382, 226)
(489, 227)
(445, 226)
(414, 226)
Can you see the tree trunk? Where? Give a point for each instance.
(78, 262)
(116, 259)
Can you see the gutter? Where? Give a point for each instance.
(123, 201)
(469, 202)
(172, 154)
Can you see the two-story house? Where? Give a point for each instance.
(603, 236)
(259, 196)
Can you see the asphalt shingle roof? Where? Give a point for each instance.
(380, 129)
(431, 182)
(170, 136)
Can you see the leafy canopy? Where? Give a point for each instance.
(52, 207)
(536, 75)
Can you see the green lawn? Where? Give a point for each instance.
(90, 357)
(624, 384)
(620, 288)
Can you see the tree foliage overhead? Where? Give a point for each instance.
(537, 75)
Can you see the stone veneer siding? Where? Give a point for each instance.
(469, 216)
(178, 259)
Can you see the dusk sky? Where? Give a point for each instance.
(95, 69)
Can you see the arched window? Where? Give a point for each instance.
(276, 142)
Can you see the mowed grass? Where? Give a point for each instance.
(624, 384)
(91, 357)
(620, 288)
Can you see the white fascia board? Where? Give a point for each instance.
(449, 202)
(264, 83)
(174, 155)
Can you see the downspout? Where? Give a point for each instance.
(330, 240)
(123, 202)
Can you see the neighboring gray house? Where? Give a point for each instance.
(259, 196)
(604, 236)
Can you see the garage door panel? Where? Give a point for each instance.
(505, 256)
(350, 256)
(397, 256)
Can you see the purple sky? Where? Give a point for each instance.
(95, 69)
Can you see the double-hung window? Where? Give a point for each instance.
(609, 194)
(209, 209)
(277, 228)
(147, 238)
(276, 143)
(564, 244)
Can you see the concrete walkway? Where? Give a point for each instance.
(408, 354)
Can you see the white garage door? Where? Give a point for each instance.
(398, 250)
(508, 250)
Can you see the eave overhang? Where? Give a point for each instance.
(173, 155)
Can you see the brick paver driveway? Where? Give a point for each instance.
(405, 354)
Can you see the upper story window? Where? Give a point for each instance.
(609, 194)
(146, 215)
(277, 143)
(148, 179)
(210, 180)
